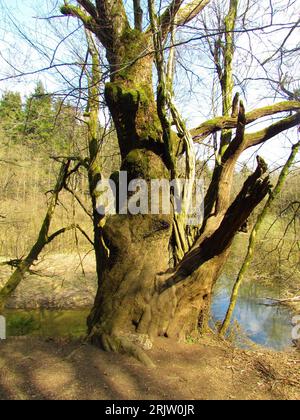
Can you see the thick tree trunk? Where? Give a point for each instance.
(140, 295)
(130, 300)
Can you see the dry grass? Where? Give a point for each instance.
(61, 281)
(25, 180)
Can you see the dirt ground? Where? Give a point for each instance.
(36, 369)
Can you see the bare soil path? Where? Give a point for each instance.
(39, 369)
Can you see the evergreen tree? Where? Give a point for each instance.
(11, 115)
(39, 116)
(67, 133)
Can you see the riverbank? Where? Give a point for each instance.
(56, 299)
(59, 281)
(36, 369)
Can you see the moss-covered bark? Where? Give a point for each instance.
(136, 295)
(140, 295)
(132, 299)
(138, 245)
(134, 112)
(128, 301)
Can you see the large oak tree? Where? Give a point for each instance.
(141, 292)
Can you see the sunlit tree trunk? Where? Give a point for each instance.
(141, 295)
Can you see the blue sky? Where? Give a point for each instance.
(27, 18)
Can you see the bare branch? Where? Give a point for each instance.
(167, 18)
(296, 25)
(229, 160)
(241, 126)
(89, 7)
(79, 201)
(253, 192)
(66, 229)
(190, 11)
(107, 19)
(76, 11)
(177, 16)
(138, 15)
(59, 232)
(217, 124)
(259, 137)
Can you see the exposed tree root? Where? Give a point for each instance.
(122, 345)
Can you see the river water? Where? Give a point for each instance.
(269, 326)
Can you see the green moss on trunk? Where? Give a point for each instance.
(134, 112)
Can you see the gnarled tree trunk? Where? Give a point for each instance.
(141, 294)
(130, 299)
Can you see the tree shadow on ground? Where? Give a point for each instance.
(36, 369)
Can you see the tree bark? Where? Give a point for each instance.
(138, 245)
(140, 294)
(129, 300)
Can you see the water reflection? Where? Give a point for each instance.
(47, 323)
(270, 326)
